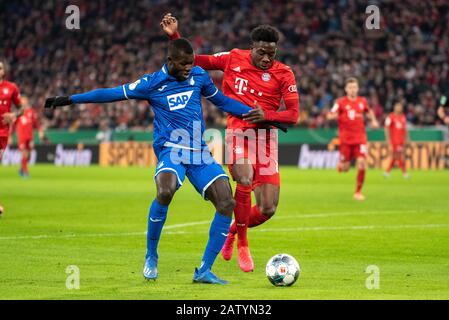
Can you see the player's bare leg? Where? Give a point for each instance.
(243, 174)
(166, 184)
(401, 162)
(267, 199)
(361, 170)
(24, 163)
(392, 162)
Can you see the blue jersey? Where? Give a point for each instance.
(176, 104)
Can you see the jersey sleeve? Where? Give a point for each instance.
(290, 95)
(218, 61)
(288, 86)
(139, 89)
(365, 103)
(16, 96)
(208, 88)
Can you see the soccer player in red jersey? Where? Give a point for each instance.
(253, 77)
(24, 129)
(349, 111)
(9, 94)
(396, 135)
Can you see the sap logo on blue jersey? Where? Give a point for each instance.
(179, 100)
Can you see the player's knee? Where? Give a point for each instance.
(361, 164)
(268, 210)
(165, 195)
(245, 181)
(226, 206)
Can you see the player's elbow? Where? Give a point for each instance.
(295, 117)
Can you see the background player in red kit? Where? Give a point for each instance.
(9, 94)
(24, 130)
(252, 76)
(350, 111)
(396, 135)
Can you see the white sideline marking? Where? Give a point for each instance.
(398, 226)
(130, 234)
(344, 214)
(189, 224)
(101, 235)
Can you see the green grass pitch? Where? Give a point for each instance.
(96, 218)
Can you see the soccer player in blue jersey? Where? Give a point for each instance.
(175, 93)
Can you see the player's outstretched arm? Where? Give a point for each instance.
(95, 96)
(372, 117)
(287, 116)
(169, 25)
(227, 104)
(136, 90)
(239, 109)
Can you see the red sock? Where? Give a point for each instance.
(391, 165)
(360, 179)
(242, 212)
(402, 165)
(24, 166)
(256, 218)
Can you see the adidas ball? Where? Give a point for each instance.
(282, 270)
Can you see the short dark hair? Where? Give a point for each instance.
(264, 33)
(177, 46)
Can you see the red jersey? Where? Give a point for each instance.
(25, 124)
(397, 127)
(245, 82)
(9, 93)
(351, 120)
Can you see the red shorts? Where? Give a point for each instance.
(348, 152)
(25, 144)
(260, 147)
(397, 147)
(3, 145)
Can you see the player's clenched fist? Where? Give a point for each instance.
(169, 24)
(53, 102)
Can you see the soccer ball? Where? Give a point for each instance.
(282, 270)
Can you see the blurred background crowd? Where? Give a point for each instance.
(323, 41)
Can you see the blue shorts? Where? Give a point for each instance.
(201, 175)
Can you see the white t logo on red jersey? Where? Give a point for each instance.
(241, 85)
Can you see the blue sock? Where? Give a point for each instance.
(218, 232)
(156, 220)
